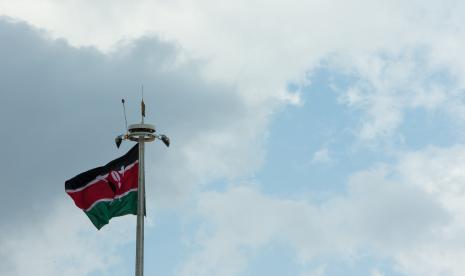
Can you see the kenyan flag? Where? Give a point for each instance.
(108, 191)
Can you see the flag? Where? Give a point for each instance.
(108, 191)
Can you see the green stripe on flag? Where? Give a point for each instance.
(103, 211)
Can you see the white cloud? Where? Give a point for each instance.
(439, 172)
(385, 87)
(260, 46)
(319, 271)
(376, 272)
(411, 213)
(321, 156)
(60, 243)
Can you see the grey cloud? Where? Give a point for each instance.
(60, 111)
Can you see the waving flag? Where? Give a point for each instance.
(108, 191)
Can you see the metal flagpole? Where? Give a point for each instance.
(141, 199)
(140, 212)
(141, 133)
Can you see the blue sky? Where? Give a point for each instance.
(309, 138)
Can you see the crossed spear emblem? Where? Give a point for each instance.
(113, 179)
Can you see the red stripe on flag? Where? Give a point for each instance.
(108, 189)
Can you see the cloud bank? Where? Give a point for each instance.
(411, 212)
(61, 111)
(398, 56)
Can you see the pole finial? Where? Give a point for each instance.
(142, 104)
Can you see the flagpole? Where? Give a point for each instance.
(141, 133)
(140, 212)
(141, 199)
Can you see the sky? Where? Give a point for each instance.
(309, 138)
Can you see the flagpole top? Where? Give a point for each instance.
(145, 131)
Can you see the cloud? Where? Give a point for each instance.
(319, 271)
(321, 156)
(410, 213)
(376, 272)
(61, 111)
(259, 47)
(385, 87)
(61, 244)
(247, 53)
(438, 171)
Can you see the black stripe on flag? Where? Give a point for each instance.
(82, 179)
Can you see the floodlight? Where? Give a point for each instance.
(118, 140)
(165, 140)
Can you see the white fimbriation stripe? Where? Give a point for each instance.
(110, 199)
(101, 177)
